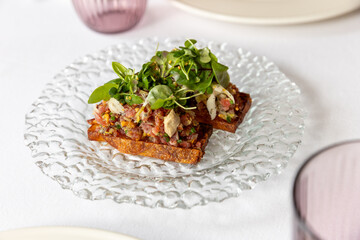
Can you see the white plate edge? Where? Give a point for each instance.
(265, 21)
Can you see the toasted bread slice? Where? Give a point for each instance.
(148, 149)
(242, 103)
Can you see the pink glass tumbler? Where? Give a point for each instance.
(327, 195)
(110, 16)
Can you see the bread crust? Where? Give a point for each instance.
(148, 149)
(242, 100)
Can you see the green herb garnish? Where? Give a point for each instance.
(171, 79)
(101, 93)
(228, 119)
(167, 138)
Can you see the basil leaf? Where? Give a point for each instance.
(119, 69)
(221, 74)
(101, 93)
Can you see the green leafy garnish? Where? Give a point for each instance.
(228, 119)
(205, 55)
(171, 79)
(119, 69)
(167, 138)
(221, 74)
(158, 95)
(132, 99)
(101, 93)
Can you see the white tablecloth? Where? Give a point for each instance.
(38, 38)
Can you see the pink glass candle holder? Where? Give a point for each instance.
(327, 194)
(110, 16)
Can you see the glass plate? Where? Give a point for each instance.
(56, 133)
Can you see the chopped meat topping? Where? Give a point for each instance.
(181, 126)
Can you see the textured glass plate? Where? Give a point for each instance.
(56, 133)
